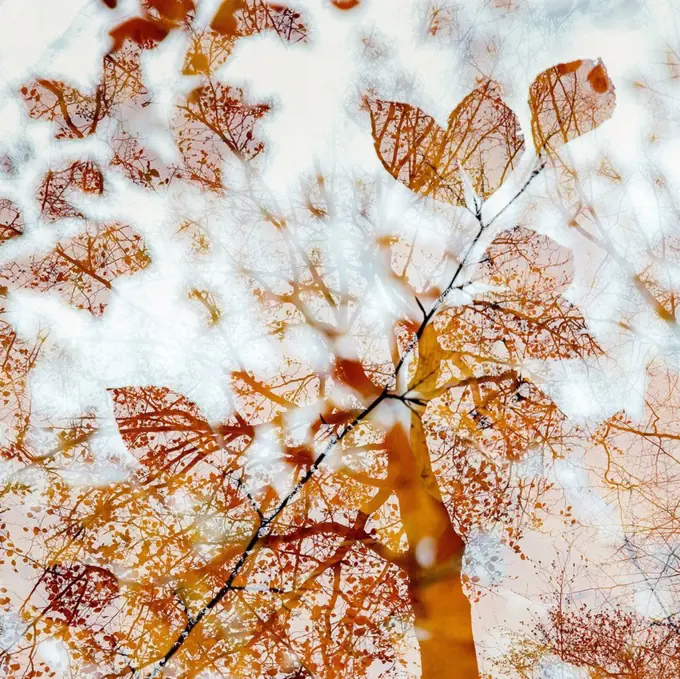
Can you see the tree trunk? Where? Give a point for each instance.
(443, 615)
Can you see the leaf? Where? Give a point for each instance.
(524, 317)
(569, 100)
(345, 4)
(78, 592)
(173, 11)
(477, 432)
(527, 317)
(415, 150)
(57, 184)
(487, 136)
(483, 414)
(160, 17)
(11, 220)
(77, 114)
(82, 268)
(352, 374)
(240, 18)
(154, 420)
(213, 119)
(142, 31)
(237, 19)
(483, 136)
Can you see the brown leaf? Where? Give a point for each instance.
(483, 136)
(11, 221)
(528, 315)
(225, 21)
(352, 374)
(146, 33)
(56, 186)
(173, 11)
(487, 137)
(569, 100)
(81, 269)
(214, 119)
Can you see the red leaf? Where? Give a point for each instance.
(77, 592)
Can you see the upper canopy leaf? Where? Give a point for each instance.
(486, 136)
(569, 100)
(483, 136)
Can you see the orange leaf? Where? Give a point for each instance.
(569, 100)
(483, 136)
(224, 21)
(352, 374)
(173, 11)
(414, 150)
(146, 33)
(487, 137)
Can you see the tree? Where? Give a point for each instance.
(319, 530)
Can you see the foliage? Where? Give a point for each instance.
(318, 529)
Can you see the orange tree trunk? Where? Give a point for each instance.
(443, 615)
